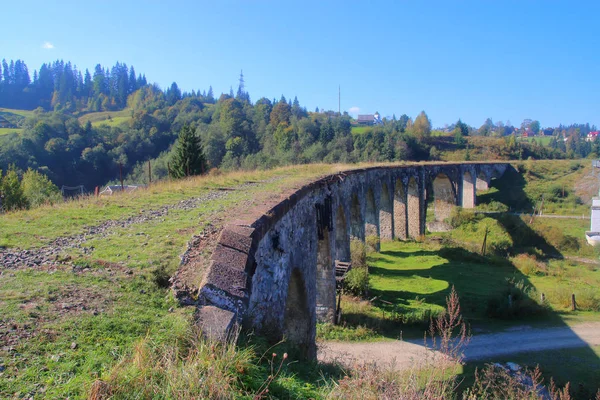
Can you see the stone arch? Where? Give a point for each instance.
(325, 280)
(414, 208)
(400, 227)
(468, 190)
(385, 214)
(297, 321)
(482, 182)
(356, 225)
(371, 215)
(342, 240)
(444, 198)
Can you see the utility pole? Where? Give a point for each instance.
(149, 173)
(121, 177)
(340, 100)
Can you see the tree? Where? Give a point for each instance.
(462, 127)
(188, 157)
(535, 126)
(11, 192)
(422, 126)
(38, 189)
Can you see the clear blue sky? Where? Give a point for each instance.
(507, 60)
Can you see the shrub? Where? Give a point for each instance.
(357, 281)
(12, 192)
(529, 265)
(372, 242)
(358, 253)
(518, 300)
(568, 243)
(39, 190)
(575, 166)
(460, 216)
(587, 299)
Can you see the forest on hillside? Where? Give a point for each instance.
(235, 132)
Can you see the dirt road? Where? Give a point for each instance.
(405, 354)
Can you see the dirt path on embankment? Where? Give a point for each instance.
(406, 354)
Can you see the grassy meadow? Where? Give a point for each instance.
(110, 118)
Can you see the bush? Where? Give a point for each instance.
(357, 281)
(39, 190)
(568, 243)
(587, 299)
(358, 254)
(517, 301)
(372, 242)
(460, 216)
(529, 265)
(575, 166)
(11, 191)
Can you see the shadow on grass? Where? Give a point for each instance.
(297, 377)
(510, 191)
(494, 296)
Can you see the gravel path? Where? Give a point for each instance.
(50, 255)
(405, 354)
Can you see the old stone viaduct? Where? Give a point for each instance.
(274, 273)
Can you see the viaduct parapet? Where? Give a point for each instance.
(275, 274)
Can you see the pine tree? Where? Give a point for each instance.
(188, 158)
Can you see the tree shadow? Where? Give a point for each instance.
(525, 239)
(509, 191)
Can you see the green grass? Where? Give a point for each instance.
(541, 140)
(110, 118)
(361, 129)
(22, 113)
(410, 282)
(37, 227)
(8, 131)
(43, 363)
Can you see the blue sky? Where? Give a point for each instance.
(507, 60)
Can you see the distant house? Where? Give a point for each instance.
(110, 189)
(592, 136)
(369, 119)
(4, 123)
(365, 119)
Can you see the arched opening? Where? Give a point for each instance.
(371, 217)
(356, 226)
(482, 183)
(385, 214)
(400, 228)
(325, 280)
(444, 199)
(342, 241)
(414, 209)
(297, 318)
(468, 192)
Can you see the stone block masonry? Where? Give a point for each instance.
(275, 275)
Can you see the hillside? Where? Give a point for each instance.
(75, 315)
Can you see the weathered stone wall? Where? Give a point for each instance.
(386, 228)
(274, 273)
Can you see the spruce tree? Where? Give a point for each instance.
(188, 158)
